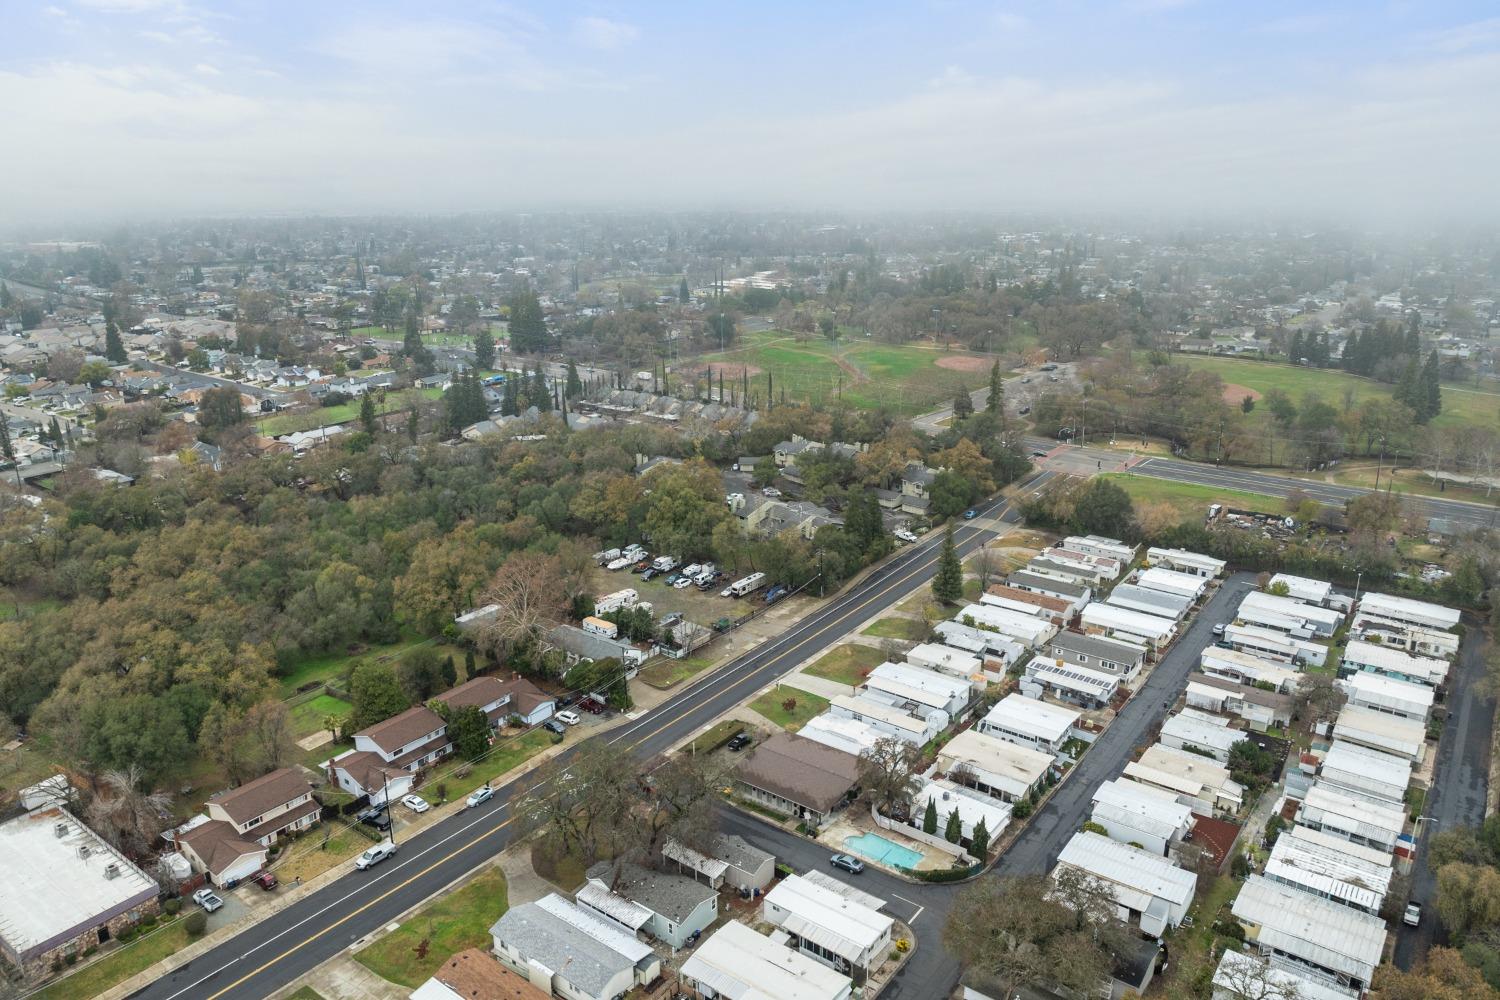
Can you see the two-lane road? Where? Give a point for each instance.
(271, 954)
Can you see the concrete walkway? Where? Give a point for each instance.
(343, 978)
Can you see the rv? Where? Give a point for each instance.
(746, 585)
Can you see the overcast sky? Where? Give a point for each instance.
(140, 108)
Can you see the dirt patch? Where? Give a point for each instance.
(1235, 393)
(731, 369)
(965, 363)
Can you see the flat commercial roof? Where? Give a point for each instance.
(739, 964)
(54, 874)
(1327, 934)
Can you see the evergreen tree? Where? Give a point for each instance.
(510, 404)
(996, 402)
(484, 351)
(7, 298)
(54, 432)
(528, 327)
(413, 426)
(574, 386)
(929, 818)
(367, 414)
(7, 447)
(948, 581)
(862, 520)
(954, 831)
(1294, 350)
(197, 275)
(683, 294)
(450, 672)
(469, 664)
(979, 841)
(963, 406)
(1432, 388)
(114, 347)
(1408, 389)
(359, 273)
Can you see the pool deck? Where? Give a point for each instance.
(853, 823)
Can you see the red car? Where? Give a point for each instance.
(266, 880)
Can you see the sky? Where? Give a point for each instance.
(133, 109)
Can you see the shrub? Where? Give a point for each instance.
(947, 874)
(172, 906)
(1092, 827)
(91, 949)
(1021, 808)
(128, 934)
(70, 959)
(1240, 866)
(148, 921)
(195, 923)
(441, 788)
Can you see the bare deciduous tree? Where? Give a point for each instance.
(888, 774)
(124, 813)
(529, 598)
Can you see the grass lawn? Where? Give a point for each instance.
(15, 607)
(309, 857)
(323, 416)
(1191, 499)
(1193, 947)
(804, 705)
(447, 925)
(898, 628)
(1459, 406)
(137, 956)
(306, 993)
(667, 672)
(307, 718)
(327, 666)
(508, 752)
(715, 736)
(847, 664)
(1412, 481)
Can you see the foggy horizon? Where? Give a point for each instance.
(130, 110)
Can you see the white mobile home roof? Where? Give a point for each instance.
(1328, 871)
(1360, 853)
(739, 964)
(972, 806)
(1263, 641)
(940, 684)
(1094, 684)
(844, 926)
(1020, 607)
(1135, 877)
(1367, 771)
(1098, 545)
(1342, 811)
(1324, 620)
(842, 733)
(945, 658)
(1382, 659)
(1112, 618)
(1025, 628)
(1406, 737)
(1298, 923)
(1150, 601)
(1220, 662)
(1157, 556)
(1389, 694)
(1028, 717)
(1001, 764)
(1172, 582)
(1404, 609)
(1191, 730)
(881, 714)
(1303, 589)
(1185, 773)
(1145, 801)
(887, 691)
(1238, 970)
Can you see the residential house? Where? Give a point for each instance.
(842, 732)
(1152, 602)
(1149, 890)
(1412, 639)
(66, 890)
(387, 755)
(1097, 652)
(1068, 683)
(730, 860)
(998, 651)
(1170, 581)
(1300, 588)
(1406, 611)
(798, 776)
(1385, 661)
(1352, 817)
(1028, 630)
(572, 952)
(1195, 731)
(262, 810)
(1076, 594)
(1097, 545)
(998, 768)
(1260, 709)
(924, 691)
(1382, 731)
(889, 719)
(216, 849)
(1389, 695)
(579, 644)
(843, 933)
(1317, 938)
(500, 700)
(1372, 774)
(1129, 626)
(736, 963)
(1302, 621)
(944, 659)
(1184, 561)
(1246, 668)
(1030, 723)
(677, 908)
(973, 807)
(1196, 780)
(1316, 863)
(1057, 610)
(1151, 818)
(1239, 973)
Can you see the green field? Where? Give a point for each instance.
(667, 673)
(135, 957)
(509, 751)
(329, 665)
(307, 718)
(847, 664)
(325, 416)
(898, 628)
(1459, 405)
(306, 993)
(773, 705)
(1190, 498)
(414, 951)
(904, 378)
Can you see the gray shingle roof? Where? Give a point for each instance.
(672, 896)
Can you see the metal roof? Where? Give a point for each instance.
(1298, 923)
(1028, 716)
(739, 964)
(585, 950)
(843, 926)
(596, 896)
(1133, 874)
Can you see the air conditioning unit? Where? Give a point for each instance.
(83, 850)
(111, 870)
(60, 830)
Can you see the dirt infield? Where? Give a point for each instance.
(1234, 393)
(964, 363)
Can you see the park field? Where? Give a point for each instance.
(905, 378)
(327, 416)
(1459, 405)
(1191, 499)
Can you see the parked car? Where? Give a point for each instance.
(374, 855)
(683, 583)
(851, 865)
(1038, 453)
(771, 492)
(480, 796)
(1049, 367)
(1024, 410)
(266, 880)
(591, 706)
(207, 899)
(376, 817)
(1413, 915)
(568, 718)
(739, 742)
(776, 593)
(553, 726)
(416, 803)
(970, 514)
(650, 574)
(671, 578)
(1219, 629)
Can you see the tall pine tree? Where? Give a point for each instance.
(484, 351)
(1432, 387)
(575, 386)
(114, 347)
(948, 581)
(996, 402)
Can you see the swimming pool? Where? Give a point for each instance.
(876, 848)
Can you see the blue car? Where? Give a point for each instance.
(970, 514)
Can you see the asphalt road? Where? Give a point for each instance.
(269, 955)
(206, 380)
(1457, 797)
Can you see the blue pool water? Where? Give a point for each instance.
(876, 848)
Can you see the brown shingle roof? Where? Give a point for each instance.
(1054, 604)
(478, 692)
(217, 845)
(265, 793)
(399, 730)
(367, 769)
(476, 975)
(801, 770)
